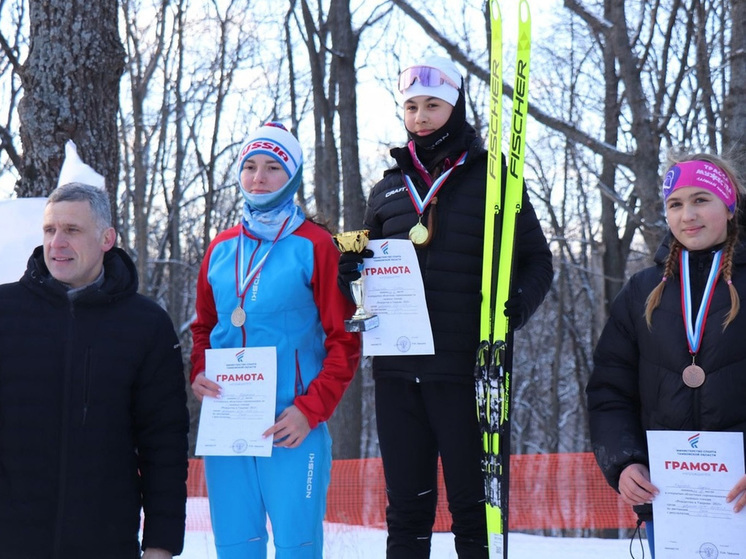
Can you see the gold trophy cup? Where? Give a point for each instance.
(362, 320)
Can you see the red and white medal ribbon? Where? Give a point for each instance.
(695, 329)
(421, 203)
(238, 316)
(693, 375)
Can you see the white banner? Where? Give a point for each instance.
(20, 234)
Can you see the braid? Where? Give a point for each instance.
(671, 265)
(727, 272)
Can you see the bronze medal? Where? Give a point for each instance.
(693, 376)
(418, 234)
(238, 317)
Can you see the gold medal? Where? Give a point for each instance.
(418, 234)
(693, 376)
(238, 317)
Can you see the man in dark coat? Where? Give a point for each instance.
(93, 417)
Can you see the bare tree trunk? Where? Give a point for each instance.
(71, 91)
(704, 74)
(326, 169)
(141, 73)
(176, 276)
(734, 117)
(345, 42)
(347, 422)
(614, 250)
(644, 127)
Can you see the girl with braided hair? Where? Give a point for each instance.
(671, 356)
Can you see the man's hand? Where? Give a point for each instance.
(156, 553)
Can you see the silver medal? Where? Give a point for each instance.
(238, 317)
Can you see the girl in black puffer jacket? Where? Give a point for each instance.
(425, 403)
(654, 369)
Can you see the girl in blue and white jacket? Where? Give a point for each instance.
(271, 281)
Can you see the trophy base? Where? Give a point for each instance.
(361, 324)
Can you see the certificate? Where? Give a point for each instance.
(394, 291)
(694, 471)
(233, 424)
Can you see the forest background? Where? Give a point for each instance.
(158, 96)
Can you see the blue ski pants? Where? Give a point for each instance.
(289, 487)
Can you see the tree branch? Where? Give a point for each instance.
(597, 24)
(8, 51)
(6, 143)
(572, 132)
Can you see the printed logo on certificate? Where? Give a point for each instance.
(694, 471)
(394, 291)
(233, 424)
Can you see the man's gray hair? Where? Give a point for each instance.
(97, 197)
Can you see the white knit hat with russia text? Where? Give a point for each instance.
(274, 140)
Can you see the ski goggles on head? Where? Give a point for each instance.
(427, 76)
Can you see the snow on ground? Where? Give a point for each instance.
(342, 541)
(355, 542)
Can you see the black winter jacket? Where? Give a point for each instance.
(636, 383)
(451, 264)
(93, 419)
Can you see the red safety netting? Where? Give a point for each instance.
(547, 491)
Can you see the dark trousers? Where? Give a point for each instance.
(416, 423)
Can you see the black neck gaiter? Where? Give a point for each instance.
(434, 147)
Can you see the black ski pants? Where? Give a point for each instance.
(416, 423)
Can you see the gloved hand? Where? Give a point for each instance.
(351, 265)
(515, 309)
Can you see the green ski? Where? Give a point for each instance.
(493, 367)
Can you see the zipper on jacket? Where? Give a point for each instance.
(300, 389)
(67, 386)
(86, 381)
